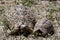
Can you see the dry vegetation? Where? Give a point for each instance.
(40, 9)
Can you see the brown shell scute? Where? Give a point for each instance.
(44, 26)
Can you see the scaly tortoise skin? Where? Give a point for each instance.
(44, 27)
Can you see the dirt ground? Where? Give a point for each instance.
(40, 9)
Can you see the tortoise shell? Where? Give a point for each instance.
(22, 18)
(44, 26)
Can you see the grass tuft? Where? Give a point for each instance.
(27, 2)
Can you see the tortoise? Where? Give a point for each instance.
(24, 17)
(44, 27)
